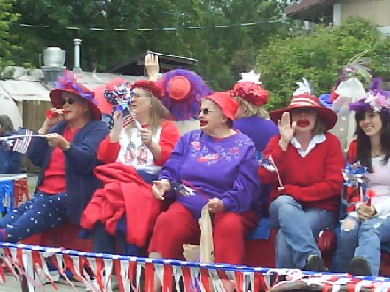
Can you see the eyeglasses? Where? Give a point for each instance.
(68, 101)
(205, 111)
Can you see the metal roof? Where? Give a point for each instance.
(308, 9)
(20, 90)
(136, 65)
(30, 88)
(92, 80)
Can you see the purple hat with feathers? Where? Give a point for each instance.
(183, 90)
(376, 99)
(67, 83)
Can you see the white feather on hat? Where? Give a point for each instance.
(303, 87)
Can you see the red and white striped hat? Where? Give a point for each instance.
(306, 100)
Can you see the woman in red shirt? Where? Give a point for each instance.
(306, 195)
(144, 145)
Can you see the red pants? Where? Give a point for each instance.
(177, 226)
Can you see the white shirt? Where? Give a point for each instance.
(379, 182)
(317, 139)
(134, 153)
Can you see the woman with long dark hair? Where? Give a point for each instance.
(368, 220)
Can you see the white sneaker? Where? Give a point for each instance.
(43, 278)
(95, 284)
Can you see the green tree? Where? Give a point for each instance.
(6, 38)
(222, 52)
(319, 56)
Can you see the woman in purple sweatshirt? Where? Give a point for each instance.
(219, 164)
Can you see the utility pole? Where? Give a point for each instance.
(177, 14)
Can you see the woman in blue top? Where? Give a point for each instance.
(66, 154)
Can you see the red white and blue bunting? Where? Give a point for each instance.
(139, 274)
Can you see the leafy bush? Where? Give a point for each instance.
(318, 56)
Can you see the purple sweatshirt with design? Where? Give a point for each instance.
(215, 168)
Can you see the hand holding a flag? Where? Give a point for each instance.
(118, 121)
(56, 140)
(117, 128)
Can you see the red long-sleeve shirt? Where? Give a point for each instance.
(108, 152)
(314, 180)
(54, 177)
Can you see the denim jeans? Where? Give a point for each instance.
(298, 230)
(364, 240)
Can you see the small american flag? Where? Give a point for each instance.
(269, 164)
(127, 120)
(21, 144)
(265, 162)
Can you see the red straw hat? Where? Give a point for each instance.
(306, 100)
(68, 83)
(224, 100)
(251, 92)
(151, 86)
(249, 89)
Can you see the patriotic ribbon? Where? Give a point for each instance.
(195, 276)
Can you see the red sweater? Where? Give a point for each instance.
(315, 180)
(108, 152)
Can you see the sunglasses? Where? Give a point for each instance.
(205, 111)
(68, 101)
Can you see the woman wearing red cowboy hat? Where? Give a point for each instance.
(219, 164)
(134, 154)
(306, 181)
(67, 157)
